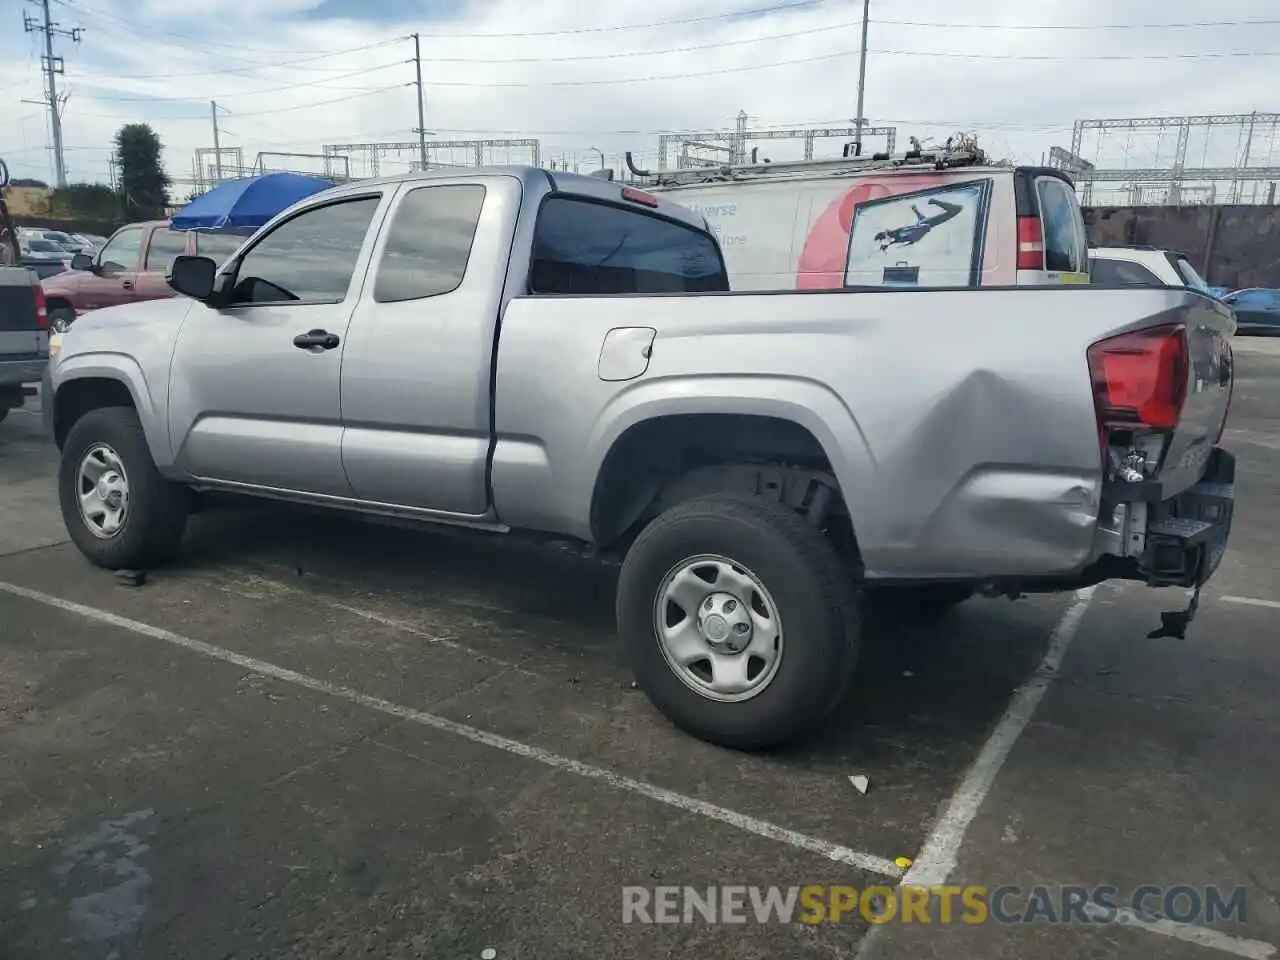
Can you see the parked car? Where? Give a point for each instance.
(1257, 310)
(1144, 266)
(24, 335)
(130, 267)
(930, 219)
(41, 250)
(568, 360)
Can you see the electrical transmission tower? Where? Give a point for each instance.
(53, 68)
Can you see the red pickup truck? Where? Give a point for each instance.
(130, 267)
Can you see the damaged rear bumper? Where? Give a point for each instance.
(1180, 541)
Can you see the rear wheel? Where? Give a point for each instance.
(739, 619)
(119, 511)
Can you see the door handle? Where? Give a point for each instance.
(316, 338)
(127, 284)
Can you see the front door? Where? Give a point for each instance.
(116, 270)
(254, 395)
(163, 246)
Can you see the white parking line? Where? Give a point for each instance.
(942, 847)
(1252, 602)
(1188, 933)
(761, 828)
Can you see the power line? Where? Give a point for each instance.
(229, 71)
(765, 38)
(254, 93)
(1079, 26)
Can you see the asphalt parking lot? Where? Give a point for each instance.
(315, 738)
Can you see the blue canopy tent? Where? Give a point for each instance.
(248, 203)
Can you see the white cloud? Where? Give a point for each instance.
(561, 89)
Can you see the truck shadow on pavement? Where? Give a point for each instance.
(928, 693)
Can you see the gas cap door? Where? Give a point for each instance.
(625, 353)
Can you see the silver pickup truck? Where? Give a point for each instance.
(515, 349)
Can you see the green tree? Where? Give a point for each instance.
(86, 201)
(143, 181)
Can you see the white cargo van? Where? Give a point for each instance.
(945, 219)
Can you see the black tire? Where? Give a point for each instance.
(4, 412)
(917, 605)
(817, 603)
(61, 318)
(157, 509)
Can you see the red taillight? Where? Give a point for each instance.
(639, 196)
(1030, 244)
(1140, 378)
(42, 309)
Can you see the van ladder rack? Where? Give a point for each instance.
(965, 153)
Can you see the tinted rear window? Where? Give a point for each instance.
(581, 246)
(1121, 273)
(1064, 245)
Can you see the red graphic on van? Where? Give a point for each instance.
(826, 248)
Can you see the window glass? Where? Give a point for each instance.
(598, 248)
(1189, 275)
(218, 246)
(926, 238)
(164, 246)
(429, 242)
(1063, 230)
(122, 250)
(1118, 273)
(309, 257)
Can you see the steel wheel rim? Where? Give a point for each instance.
(700, 610)
(102, 491)
(60, 325)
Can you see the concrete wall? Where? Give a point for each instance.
(1231, 246)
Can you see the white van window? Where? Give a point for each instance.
(1064, 243)
(929, 238)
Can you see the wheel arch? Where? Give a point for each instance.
(90, 382)
(647, 444)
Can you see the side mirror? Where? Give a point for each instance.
(192, 276)
(81, 261)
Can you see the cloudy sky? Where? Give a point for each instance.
(291, 75)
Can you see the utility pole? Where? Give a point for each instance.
(53, 66)
(217, 147)
(862, 77)
(422, 120)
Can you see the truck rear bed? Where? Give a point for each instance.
(961, 424)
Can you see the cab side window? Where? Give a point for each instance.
(164, 246)
(122, 251)
(309, 258)
(429, 242)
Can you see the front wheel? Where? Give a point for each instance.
(119, 511)
(739, 619)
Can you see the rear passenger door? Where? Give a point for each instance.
(416, 369)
